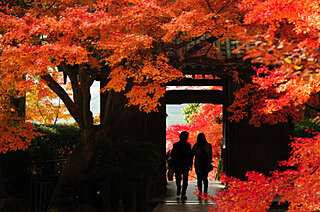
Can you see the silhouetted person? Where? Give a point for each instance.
(202, 152)
(182, 162)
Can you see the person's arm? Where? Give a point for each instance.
(210, 153)
(193, 152)
(190, 158)
(173, 155)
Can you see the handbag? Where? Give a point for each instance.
(210, 165)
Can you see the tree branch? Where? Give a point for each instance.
(314, 170)
(47, 9)
(209, 6)
(223, 7)
(311, 107)
(56, 88)
(57, 114)
(72, 74)
(37, 104)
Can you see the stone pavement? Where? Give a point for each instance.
(172, 203)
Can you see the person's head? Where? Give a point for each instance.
(201, 139)
(184, 136)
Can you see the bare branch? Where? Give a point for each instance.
(208, 3)
(314, 170)
(224, 6)
(41, 114)
(57, 114)
(47, 9)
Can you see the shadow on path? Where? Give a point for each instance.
(172, 203)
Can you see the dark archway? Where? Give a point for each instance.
(245, 147)
(200, 90)
(199, 95)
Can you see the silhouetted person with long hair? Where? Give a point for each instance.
(182, 162)
(202, 152)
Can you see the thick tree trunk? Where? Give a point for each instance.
(63, 198)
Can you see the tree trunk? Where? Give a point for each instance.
(117, 121)
(63, 198)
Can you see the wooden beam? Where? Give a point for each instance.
(206, 71)
(195, 96)
(196, 82)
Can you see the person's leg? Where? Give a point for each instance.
(170, 174)
(205, 182)
(178, 181)
(199, 181)
(185, 182)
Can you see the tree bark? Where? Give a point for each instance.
(114, 118)
(63, 197)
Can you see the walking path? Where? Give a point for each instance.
(172, 203)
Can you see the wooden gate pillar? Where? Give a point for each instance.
(155, 125)
(258, 149)
(249, 148)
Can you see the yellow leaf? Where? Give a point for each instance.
(297, 67)
(314, 76)
(287, 60)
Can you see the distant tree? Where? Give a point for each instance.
(206, 120)
(189, 110)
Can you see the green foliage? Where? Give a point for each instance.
(59, 134)
(57, 142)
(218, 119)
(189, 111)
(126, 159)
(219, 169)
(305, 128)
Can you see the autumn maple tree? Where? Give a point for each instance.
(136, 46)
(282, 36)
(288, 47)
(16, 134)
